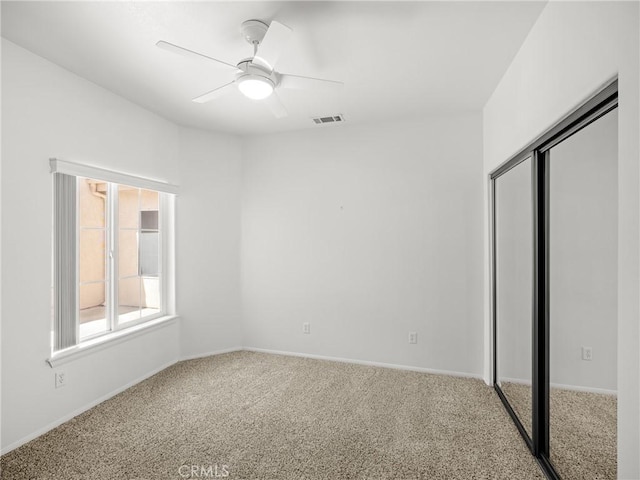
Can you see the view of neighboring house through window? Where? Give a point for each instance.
(138, 290)
(119, 238)
(93, 199)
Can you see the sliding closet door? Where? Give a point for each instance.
(583, 248)
(513, 266)
(555, 293)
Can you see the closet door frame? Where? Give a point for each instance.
(601, 103)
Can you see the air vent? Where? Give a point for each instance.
(332, 119)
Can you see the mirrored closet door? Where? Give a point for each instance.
(583, 274)
(513, 285)
(554, 209)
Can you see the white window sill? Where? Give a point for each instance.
(108, 340)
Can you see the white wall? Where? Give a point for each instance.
(49, 112)
(208, 244)
(574, 48)
(366, 232)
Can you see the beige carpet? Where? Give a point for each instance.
(519, 397)
(262, 416)
(582, 430)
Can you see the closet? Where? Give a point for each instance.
(554, 249)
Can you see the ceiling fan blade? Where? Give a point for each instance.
(275, 105)
(213, 94)
(272, 45)
(308, 83)
(185, 52)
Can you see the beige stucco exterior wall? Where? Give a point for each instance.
(91, 217)
(92, 251)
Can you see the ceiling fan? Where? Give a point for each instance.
(255, 77)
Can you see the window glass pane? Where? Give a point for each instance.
(149, 254)
(92, 195)
(128, 253)
(128, 206)
(92, 301)
(150, 296)
(93, 316)
(138, 253)
(92, 254)
(128, 264)
(128, 299)
(149, 200)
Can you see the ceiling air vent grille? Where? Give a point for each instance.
(331, 119)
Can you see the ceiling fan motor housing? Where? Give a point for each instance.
(253, 70)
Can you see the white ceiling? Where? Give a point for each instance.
(398, 59)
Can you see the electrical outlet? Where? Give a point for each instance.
(61, 379)
(413, 337)
(587, 353)
(306, 327)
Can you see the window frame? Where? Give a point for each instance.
(166, 258)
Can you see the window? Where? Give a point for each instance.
(112, 249)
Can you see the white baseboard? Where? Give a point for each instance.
(367, 362)
(212, 353)
(561, 386)
(578, 388)
(78, 411)
(518, 381)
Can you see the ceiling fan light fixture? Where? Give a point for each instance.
(255, 87)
